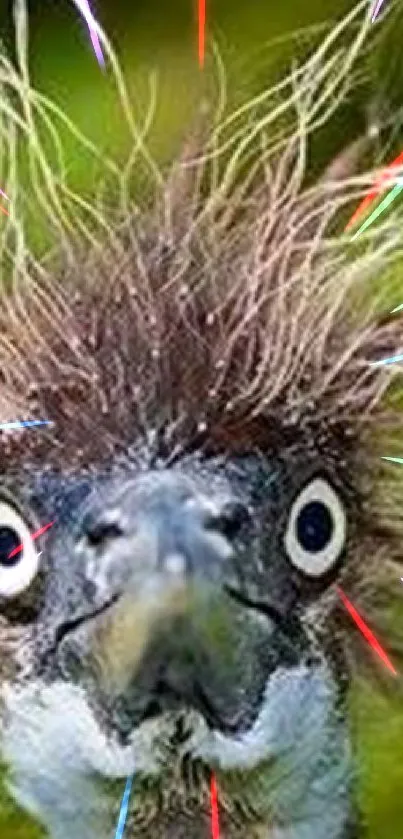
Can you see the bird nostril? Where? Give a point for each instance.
(99, 531)
(231, 519)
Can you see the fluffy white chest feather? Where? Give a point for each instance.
(61, 762)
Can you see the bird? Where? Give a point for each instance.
(212, 471)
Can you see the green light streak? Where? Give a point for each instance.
(382, 206)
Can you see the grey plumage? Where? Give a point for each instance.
(214, 411)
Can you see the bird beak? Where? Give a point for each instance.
(124, 632)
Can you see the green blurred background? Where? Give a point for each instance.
(161, 36)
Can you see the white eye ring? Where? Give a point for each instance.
(315, 563)
(15, 578)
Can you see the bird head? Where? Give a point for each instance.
(211, 475)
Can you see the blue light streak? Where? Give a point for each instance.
(123, 809)
(6, 426)
(392, 360)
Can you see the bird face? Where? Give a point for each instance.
(172, 629)
(187, 587)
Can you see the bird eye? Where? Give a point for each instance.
(316, 529)
(19, 560)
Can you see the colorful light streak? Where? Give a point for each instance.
(202, 31)
(215, 826)
(392, 360)
(376, 10)
(3, 210)
(85, 10)
(393, 459)
(33, 536)
(124, 808)
(385, 176)
(8, 426)
(381, 207)
(368, 635)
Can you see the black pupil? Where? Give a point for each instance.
(314, 526)
(9, 539)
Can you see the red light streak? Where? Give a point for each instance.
(202, 30)
(386, 174)
(33, 536)
(6, 213)
(215, 827)
(362, 626)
